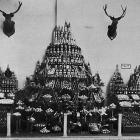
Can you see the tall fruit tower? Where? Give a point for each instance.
(63, 65)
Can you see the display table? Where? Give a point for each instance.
(5, 116)
(131, 129)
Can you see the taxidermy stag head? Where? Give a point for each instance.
(112, 29)
(8, 24)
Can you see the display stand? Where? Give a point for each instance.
(8, 124)
(120, 125)
(65, 125)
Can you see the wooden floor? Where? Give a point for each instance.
(74, 138)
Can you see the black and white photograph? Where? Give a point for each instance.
(70, 69)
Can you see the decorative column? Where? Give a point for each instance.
(120, 125)
(8, 124)
(65, 125)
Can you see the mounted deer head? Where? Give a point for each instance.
(112, 29)
(8, 24)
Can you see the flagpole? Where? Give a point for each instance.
(55, 12)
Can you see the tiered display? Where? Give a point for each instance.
(116, 97)
(127, 95)
(115, 88)
(127, 98)
(9, 83)
(134, 82)
(63, 65)
(8, 88)
(61, 83)
(131, 116)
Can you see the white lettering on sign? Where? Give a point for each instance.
(125, 66)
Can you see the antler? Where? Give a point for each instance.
(124, 12)
(2, 12)
(106, 11)
(20, 3)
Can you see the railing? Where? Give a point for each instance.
(65, 124)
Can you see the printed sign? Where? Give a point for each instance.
(125, 66)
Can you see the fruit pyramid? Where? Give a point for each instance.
(116, 86)
(134, 81)
(63, 65)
